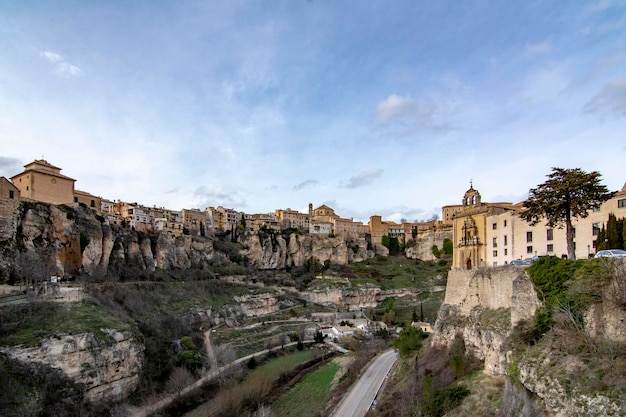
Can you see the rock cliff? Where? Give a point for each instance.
(484, 305)
(68, 241)
(422, 248)
(108, 369)
(273, 251)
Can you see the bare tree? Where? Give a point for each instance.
(179, 379)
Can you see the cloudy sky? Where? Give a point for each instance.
(372, 107)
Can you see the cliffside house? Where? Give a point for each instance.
(42, 181)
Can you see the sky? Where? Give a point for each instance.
(372, 107)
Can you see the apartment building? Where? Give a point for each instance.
(89, 200)
(509, 237)
(293, 219)
(194, 221)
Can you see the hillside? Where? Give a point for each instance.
(133, 309)
(546, 341)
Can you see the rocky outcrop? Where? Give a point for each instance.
(483, 306)
(109, 369)
(67, 241)
(422, 248)
(273, 251)
(535, 391)
(339, 293)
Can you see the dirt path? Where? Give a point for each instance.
(209, 349)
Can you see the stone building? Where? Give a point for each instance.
(9, 201)
(510, 237)
(42, 181)
(469, 230)
(89, 200)
(494, 234)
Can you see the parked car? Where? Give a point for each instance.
(611, 253)
(524, 262)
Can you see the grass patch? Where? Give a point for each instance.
(400, 272)
(30, 323)
(308, 397)
(273, 368)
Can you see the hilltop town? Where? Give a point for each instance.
(121, 302)
(483, 234)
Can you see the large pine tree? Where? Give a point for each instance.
(567, 194)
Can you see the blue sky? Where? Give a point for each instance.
(371, 107)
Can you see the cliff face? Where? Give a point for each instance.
(424, 241)
(65, 241)
(109, 370)
(273, 251)
(483, 306)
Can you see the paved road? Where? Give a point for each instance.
(360, 398)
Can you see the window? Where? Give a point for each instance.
(495, 264)
(506, 252)
(550, 234)
(574, 231)
(529, 249)
(494, 226)
(93, 203)
(506, 241)
(495, 253)
(505, 223)
(495, 242)
(550, 248)
(595, 229)
(621, 203)
(529, 236)
(76, 199)
(11, 194)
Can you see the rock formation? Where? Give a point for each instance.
(108, 369)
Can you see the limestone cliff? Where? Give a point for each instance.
(68, 241)
(273, 251)
(108, 369)
(484, 305)
(422, 247)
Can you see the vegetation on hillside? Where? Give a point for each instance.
(562, 333)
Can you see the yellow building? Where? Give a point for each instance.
(42, 181)
(469, 230)
(293, 219)
(90, 200)
(509, 237)
(194, 221)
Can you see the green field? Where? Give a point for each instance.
(308, 397)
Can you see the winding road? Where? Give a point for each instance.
(363, 393)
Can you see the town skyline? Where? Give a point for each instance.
(373, 108)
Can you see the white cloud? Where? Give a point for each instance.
(305, 184)
(61, 68)
(610, 100)
(51, 56)
(364, 178)
(410, 116)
